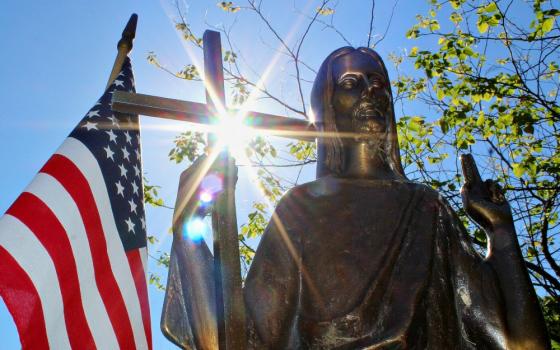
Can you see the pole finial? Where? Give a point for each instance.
(123, 47)
(128, 33)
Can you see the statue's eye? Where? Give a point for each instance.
(376, 83)
(348, 82)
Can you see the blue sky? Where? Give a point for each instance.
(56, 57)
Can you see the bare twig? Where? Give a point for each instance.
(371, 22)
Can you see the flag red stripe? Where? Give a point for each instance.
(22, 300)
(72, 179)
(139, 275)
(37, 216)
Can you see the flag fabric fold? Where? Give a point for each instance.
(73, 245)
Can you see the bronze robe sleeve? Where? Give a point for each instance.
(273, 283)
(477, 298)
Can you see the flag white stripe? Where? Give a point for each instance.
(30, 254)
(144, 257)
(53, 194)
(80, 155)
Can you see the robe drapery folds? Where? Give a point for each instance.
(331, 273)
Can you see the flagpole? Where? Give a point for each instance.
(123, 47)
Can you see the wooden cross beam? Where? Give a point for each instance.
(229, 300)
(198, 113)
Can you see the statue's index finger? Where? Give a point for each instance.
(470, 171)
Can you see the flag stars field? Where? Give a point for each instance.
(120, 188)
(110, 153)
(112, 136)
(130, 225)
(125, 153)
(123, 170)
(132, 206)
(90, 126)
(114, 121)
(134, 187)
(93, 113)
(143, 221)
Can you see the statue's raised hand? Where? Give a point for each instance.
(484, 201)
(186, 193)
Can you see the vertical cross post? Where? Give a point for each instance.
(227, 269)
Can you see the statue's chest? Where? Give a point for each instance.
(353, 224)
(345, 244)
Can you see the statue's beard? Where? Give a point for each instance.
(369, 121)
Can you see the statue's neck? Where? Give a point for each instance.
(363, 162)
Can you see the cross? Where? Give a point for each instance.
(229, 299)
(198, 113)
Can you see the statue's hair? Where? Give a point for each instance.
(330, 150)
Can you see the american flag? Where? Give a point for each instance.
(73, 245)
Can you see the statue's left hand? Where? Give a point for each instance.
(484, 201)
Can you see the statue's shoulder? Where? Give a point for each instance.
(422, 192)
(298, 192)
(316, 189)
(330, 188)
(426, 190)
(309, 193)
(432, 196)
(329, 185)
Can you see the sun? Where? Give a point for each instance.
(233, 134)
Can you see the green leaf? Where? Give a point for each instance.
(440, 94)
(228, 6)
(482, 26)
(518, 170)
(152, 59)
(434, 25)
(412, 33)
(325, 11)
(548, 24)
(480, 120)
(230, 57)
(456, 18)
(491, 7)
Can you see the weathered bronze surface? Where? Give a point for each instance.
(362, 257)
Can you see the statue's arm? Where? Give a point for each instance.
(189, 299)
(486, 204)
(272, 284)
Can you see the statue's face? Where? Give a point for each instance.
(361, 95)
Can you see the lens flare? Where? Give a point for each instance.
(195, 229)
(233, 134)
(211, 184)
(205, 197)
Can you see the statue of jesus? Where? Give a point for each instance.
(362, 257)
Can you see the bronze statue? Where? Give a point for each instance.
(363, 258)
